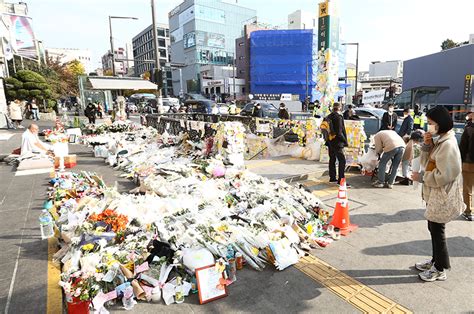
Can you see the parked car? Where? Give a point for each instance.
(199, 106)
(269, 110)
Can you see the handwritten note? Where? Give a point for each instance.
(141, 268)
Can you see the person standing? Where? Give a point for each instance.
(35, 110)
(419, 118)
(407, 126)
(90, 112)
(257, 111)
(100, 110)
(16, 114)
(392, 147)
(283, 112)
(467, 155)
(389, 119)
(441, 180)
(336, 144)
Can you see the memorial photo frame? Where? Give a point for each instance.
(208, 279)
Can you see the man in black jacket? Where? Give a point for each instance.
(257, 111)
(389, 119)
(467, 155)
(90, 112)
(337, 144)
(407, 125)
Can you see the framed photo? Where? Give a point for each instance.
(209, 283)
(72, 138)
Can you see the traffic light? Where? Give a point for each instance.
(157, 78)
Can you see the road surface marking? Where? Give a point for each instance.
(54, 293)
(357, 294)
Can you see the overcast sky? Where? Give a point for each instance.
(385, 29)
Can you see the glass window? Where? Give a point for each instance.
(161, 32)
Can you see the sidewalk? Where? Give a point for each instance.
(392, 236)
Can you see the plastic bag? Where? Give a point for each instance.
(197, 258)
(369, 160)
(284, 254)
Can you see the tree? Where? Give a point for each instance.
(76, 68)
(448, 44)
(26, 85)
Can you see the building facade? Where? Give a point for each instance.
(65, 55)
(144, 54)
(447, 68)
(121, 62)
(393, 69)
(302, 20)
(202, 33)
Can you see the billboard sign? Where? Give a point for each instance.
(23, 38)
(374, 96)
(468, 89)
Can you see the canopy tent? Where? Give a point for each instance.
(119, 83)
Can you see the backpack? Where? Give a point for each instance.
(327, 130)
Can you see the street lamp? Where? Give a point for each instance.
(112, 39)
(357, 63)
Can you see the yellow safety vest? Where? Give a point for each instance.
(419, 120)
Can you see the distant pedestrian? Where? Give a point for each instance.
(257, 111)
(441, 159)
(391, 147)
(100, 110)
(90, 112)
(419, 118)
(407, 125)
(35, 110)
(389, 119)
(350, 114)
(336, 144)
(283, 112)
(467, 154)
(16, 114)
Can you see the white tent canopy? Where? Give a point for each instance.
(120, 83)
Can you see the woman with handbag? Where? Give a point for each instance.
(441, 180)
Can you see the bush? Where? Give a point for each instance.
(22, 93)
(13, 81)
(36, 93)
(11, 94)
(29, 76)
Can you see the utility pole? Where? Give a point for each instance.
(157, 50)
(112, 46)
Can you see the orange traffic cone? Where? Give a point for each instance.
(340, 218)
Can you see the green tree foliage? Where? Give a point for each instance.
(26, 85)
(449, 43)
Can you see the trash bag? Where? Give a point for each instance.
(369, 160)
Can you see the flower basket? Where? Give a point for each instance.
(76, 306)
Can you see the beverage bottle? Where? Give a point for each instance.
(179, 290)
(46, 225)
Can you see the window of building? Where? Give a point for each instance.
(161, 32)
(241, 58)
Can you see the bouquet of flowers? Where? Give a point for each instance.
(117, 222)
(56, 136)
(80, 286)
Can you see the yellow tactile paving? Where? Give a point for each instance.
(54, 294)
(360, 296)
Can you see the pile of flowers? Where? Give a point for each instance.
(55, 136)
(112, 219)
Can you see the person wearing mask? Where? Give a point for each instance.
(283, 112)
(391, 147)
(15, 113)
(407, 126)
(91, 112)
(30, 143)
(257, 111)
(419, 118)
(389, 119)
(336, 144)
(441, 159)
(467, 155)
(35, 110)
(415, 139)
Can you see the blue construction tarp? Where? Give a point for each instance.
(283, 61)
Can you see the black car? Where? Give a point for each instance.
(269, 110)
(198, 106)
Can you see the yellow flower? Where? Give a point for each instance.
(88, 247)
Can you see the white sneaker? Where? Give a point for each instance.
(433, 274)
(424, 266)
(378, 184)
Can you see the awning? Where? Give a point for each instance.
(119, 83)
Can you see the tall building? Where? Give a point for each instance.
(203, 32)
(393, 69)
(65, 55)
(242, 53)
(302, 20)
(144, 54)
(121, 62)
(383, 75)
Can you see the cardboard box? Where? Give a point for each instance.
(70, 161)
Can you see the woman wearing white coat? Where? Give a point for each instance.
(16, 113)
(441, 159)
